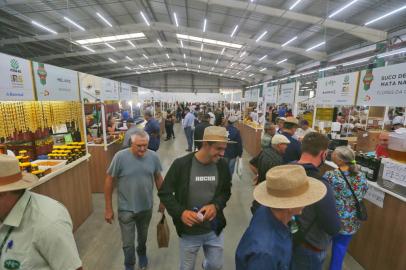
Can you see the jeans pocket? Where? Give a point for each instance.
(125, 217)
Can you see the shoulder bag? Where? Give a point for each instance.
(361, 209)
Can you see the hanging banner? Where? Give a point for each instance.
(237, 97)
(125, 91)
(337, 90)
(109, 89)
(15, 81)
(287, 93)
(55, 83)
(385, 86)
(90, 87)
(254, 95)
(271, 93)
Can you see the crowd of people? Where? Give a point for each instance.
(297, 212)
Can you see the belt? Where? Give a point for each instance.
(311, 247)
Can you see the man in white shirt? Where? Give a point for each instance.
(304, 129)
(212, 117)
(188, 124)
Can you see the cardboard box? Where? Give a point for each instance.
(367, 140)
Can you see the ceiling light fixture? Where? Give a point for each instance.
(127, 67)
(252, 74)
(247, 67)
(356, 62)
(208, 41)
(327, 68)
(222, 51)
(232, 64)
(75, 24)
(153, 63)
(234, 30)
(295, 4)
(149, 71)
(176, 19)
(199, 66)
(141, 66)
(200, 59)
(132, 44)
(242, 54)
(316, 46)
(225, 70)
(129, 58)
(176, 69)
(238, 72)
(289, 41)
(382, 55)
(146, 57)
(184, 56)
(145, 18)
(89, 49)
(185, 64)
(181, 43)
(261, 36)
(386, 15)
(167, 56)
(172, 64)
(108, 45)
(212, 68)
(116, 38)
(201, 47)
(159, 42)
(217, 61)
(44, 27)
(263, 57)
(343, 8)
(280, 62)
(262, 69)
(104, 19)
(204, 25)
(112, 60)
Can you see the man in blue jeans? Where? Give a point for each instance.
(188, 123)
(195, 192)
(135, 169)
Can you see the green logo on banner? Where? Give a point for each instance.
(14, 64)
(12, 264)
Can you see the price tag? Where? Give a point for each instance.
(365, 135)
(394, 172)
(375, 196)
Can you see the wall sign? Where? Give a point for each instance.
(385, 86)
(125, 91)
(271, 93)
(287, 93)
(394, 171)
(375, 196)
(337, 90)
(109, 89)
(90, 87)
(55, 83)
(15, 80)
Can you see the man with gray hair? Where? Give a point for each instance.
(153, 129)
(135, 169)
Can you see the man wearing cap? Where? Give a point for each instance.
(269, 157)
(195, 192)
(293, 151)
(319, 221)
(267, 243)
(233, 150)
(199, 130)
(35, 231)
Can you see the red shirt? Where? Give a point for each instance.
(381, 151)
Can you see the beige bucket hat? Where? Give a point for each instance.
(288, 186)
(215, 134)
(11, 178)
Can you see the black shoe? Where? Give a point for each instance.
(166, 139)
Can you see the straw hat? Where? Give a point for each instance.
(279, 138)
(11, 177)
(288, 186)
(215, 134)
(292, 120)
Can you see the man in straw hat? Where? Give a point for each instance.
(267, 244)
(195, 192)
(35, 231)
(319, 221)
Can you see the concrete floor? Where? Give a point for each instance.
(99, 243)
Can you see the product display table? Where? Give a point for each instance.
(251, 138)
(70, 185)
(380, 243)
(99, 163)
